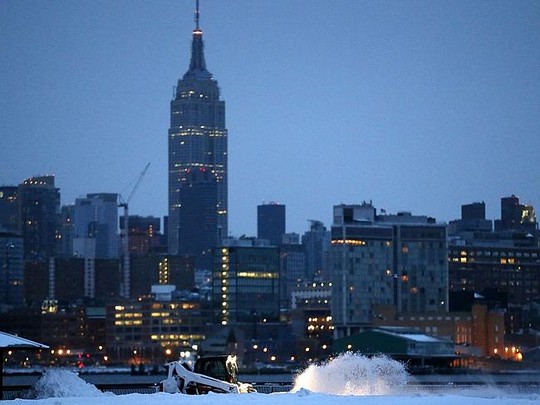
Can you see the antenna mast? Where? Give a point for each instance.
(197, 13)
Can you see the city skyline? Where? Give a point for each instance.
(428, 105)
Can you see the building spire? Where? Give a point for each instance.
(197, 65)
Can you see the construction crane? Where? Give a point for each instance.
(124, 237)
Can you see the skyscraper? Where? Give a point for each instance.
(11, 270)
(9, 209)
(96, 226)
(39, 203)
(271, 222)
(316, 242)
(197, 161)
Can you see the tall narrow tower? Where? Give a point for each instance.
(197, 161)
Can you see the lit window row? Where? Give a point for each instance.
(322, 319)
(256, 274)
(129, 315)
(160, 314)
(349, 242)
(128, 323)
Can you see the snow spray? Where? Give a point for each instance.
(353, 374)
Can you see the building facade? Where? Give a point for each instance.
(316, 243)
(9, 209)
(311, 317)
(197, 219)
(398, 260)
(39, 205)
(149, 330)
(96, 226)
(516, 216)
(292, 270)
(178, 271)
(245, 283)
(271, 222)
(11, 271)
(478, 331)
(473, 218)
(144, 234)
(64, 247)
(514, 270)
(68, 330)
(74, 280)
(505, 262)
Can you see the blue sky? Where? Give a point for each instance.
(418, 106)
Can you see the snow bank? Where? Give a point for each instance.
(353, 374)
(276, 399)
(337, 382)
(62, 383)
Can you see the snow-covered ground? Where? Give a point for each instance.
(347, 380)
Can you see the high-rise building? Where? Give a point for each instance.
(177, 271)
(72, 279)
(292, 267)
(473, 219)
(9, 209)
(39, 205)
(316, 243)
(64, 247)
(144, 233)
(197, 161)
(396, 260)
(503, 263)
(516, 217)
(246, 282)
(11, 270)
(475, 210)
(96, 226)
(271, 222)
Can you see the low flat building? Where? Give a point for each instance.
(403, 344)
(480, 331)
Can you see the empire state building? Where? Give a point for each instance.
(197, 161)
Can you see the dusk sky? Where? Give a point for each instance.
(419, 106)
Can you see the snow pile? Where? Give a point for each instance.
(353, 374)
(62, 383)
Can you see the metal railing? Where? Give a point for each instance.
(20, 391)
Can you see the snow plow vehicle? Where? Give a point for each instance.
(210, 374)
